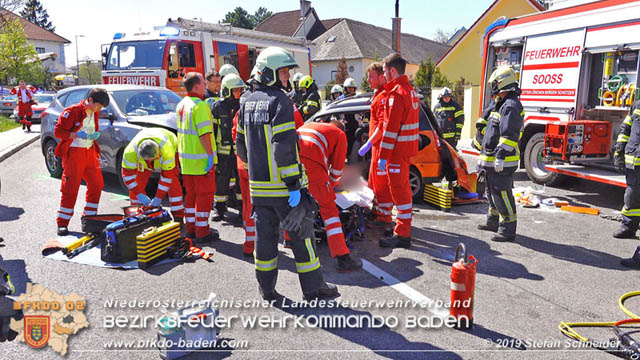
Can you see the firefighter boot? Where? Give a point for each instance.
(326, 291)
(346, 263)
(213, 236)
(624, 233)
(634, 262)
(395, 241)
(503, 238)
(491, 224)
(63, 231)
(220, 208)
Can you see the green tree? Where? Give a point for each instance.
(260, 15)
(342, 73)
(18, 59)
(364, 85)
(37, 14)
(90, 71)
(239, 17)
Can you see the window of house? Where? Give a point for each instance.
(40, 50)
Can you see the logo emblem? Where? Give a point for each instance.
(36, 330)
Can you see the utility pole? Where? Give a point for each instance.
(77, 62)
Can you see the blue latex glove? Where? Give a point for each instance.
(144, 199)
(209, 163)
(94, 136)
(382, 165)
(156, 202)
(364, 148)
(82, 135)
(294, 198)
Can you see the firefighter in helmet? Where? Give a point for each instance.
(222, 113)
(450, 116)
(267, 143)
(350, 88)
(500, 154)
(310, 103)
(336, 92)
(227, 69)
(296, 94)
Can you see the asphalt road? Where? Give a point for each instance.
(563, 267)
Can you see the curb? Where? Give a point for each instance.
(18, 147)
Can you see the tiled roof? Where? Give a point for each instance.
(33, 31)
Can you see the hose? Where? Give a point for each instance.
(567, 328)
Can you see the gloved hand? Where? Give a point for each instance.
(364, 148)
(82, 135)
(94, 136)
(382, 164)
(156, 202)
(209, 163)
(6, 314)
(294, 219)
(498, 165)
(618, 162)
(294, 198)
(144, 199)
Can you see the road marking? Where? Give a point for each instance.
(404, 289)
(118, 197)
(45, 176)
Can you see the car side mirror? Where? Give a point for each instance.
(105, 114)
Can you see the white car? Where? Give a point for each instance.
(43, 100)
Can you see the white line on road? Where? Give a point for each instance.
(404, 289)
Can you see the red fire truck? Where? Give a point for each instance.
(578, 70)
(161, 57)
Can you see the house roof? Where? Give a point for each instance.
(534, 3)
(33, 31)
(353, 39)
(287, 23)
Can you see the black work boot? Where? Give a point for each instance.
(270, 296)
(63, 231)
(326, 291)
(503, 238)
(624, 233)
(220, 209)
(634, 262)
(395, 241)
(213, 236)
(488, 227)
(346, 263)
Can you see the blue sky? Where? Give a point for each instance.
(99, 20)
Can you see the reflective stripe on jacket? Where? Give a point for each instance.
(401, 122)
(324, 144)
(450, 118)
(503, 131)
(165, 139)
(194, 120)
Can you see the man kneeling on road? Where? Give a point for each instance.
(77, 127)
(152, 149)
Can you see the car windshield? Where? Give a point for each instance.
(136, 55)
(146, 102)
(44, 98)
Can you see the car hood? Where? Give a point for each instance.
(168, 121)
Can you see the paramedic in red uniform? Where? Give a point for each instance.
(399, 144)
(323, 152)
(378, 180)
(25, 96)
(77, 128)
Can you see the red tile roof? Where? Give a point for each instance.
(33, 31)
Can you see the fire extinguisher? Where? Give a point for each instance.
(463, 279)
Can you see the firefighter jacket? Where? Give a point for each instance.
(401, 117)
(503, 132)
(132, 163)
(296, 96)
(481, 125)
(628, 142)
(326, 145)
(194, 120)
(222, 112)
(267, 143)
(450, 118)
(376, 118)
(70, 121)
(211, 97)
(310, 103)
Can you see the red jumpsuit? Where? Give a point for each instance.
(323, 151)
(78, 163)
(399, 144)
(248, 222)
(24, 105)
(378, 180)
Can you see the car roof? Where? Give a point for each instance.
(354, 103)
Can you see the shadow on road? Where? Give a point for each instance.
(18, 273)
(8, 213)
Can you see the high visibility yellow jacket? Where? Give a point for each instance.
(194, 121)
(165, 139)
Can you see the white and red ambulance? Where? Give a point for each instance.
(161, 57)
(578, 70)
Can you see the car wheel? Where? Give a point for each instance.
(535, 164)
(54, 163)
(417, 186)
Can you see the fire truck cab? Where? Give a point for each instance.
(578, 70)
(162, 56)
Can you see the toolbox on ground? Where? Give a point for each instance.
(119, 243)
(152, 244)
(95, 224)
(578, 139)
